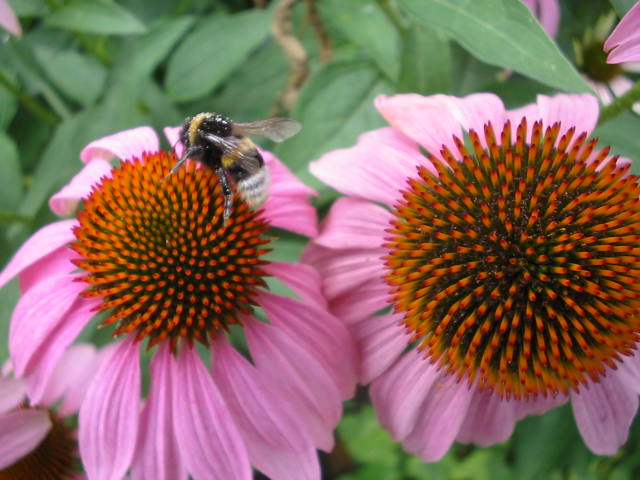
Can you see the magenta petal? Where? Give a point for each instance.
(277, 443)
(108, 420)
(368, 299)
(399, 394)
(625, 53)
(12, 393)
(376, 168)
(440, 419)
(66, 200)
(290, 213)
(627, 30)
(173, 136)
(489, 420)
(538, 405)
(629, 372)
(283, 181)
(209, 442)
(8, 19)
(478, 109)
(427, 120)
(319, 333)
(354, 223)
(311, 394)
(157, 454)
(20, 432)
(123, 145)
(54, 264)
(604, 414)
(579, 111)
(381, 338)
(303, 279)
(39, 312)
(40, 244)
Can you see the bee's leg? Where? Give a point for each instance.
(227, 192)
(176, 167)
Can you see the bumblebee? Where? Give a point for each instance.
(221, 144)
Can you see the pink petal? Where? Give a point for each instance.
(342, 271)
(311, 395)
(157, 454)
(54, 264)
(399, 394)
(108, 420)
(427, 120)
(627, 30)
(376, 168)
(66, 200)
(625, 53)
(208, 439)
(74, 370)
(39, 245)
(12, 391)
(620, 85)
(538, 405)
(580, 111)
(362, 302)
(604, 414)
(381, 338)
(38, 313)
(475, 111)
(354, 223)
(489, 420)
(440, 419)
(8, 19)
(21, 431)
(283, 181)
(629, 372)
(123, 145)
(173, 136)
(277, 443)
(548, 12)
(293, 214)
(303, 279)
(317, 332)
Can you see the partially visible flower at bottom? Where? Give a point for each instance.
(157, 261)
(37, 441)
(495, 278)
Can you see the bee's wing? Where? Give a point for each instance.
(276, 129)
(249, 160)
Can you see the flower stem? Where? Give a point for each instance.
(620, 104)
(390, 10)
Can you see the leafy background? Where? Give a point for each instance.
(87, 68)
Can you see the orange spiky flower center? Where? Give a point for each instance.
(52, 459)
(517, 265)
(160, 255)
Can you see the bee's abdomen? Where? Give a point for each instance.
(254, 188)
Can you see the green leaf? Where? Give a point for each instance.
(426, 62)
(96, 16)
(621, 133)
(10, 174)
(9, 295)
(503, 33)
(622, 6)
(367, 26)
(8, 103)
(335, 106)
(78, 76)
(213, 51)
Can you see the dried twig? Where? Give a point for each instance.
(315, 20)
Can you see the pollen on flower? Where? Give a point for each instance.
(160, 256)
(517, 265)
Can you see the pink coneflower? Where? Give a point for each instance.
(623, 44)
(8, 19)
(509, 258)
(157, 261)
(36, 441)
(547, 12)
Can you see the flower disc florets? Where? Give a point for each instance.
(517, 264)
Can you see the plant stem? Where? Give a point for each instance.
(620, 104)
(390, 10)
(29, 103)
(12, 217)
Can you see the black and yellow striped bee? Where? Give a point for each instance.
(221, 144)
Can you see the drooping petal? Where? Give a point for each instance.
(46, 240)
(108, 420)
(629, 372)
(39, 312)
(310, 392)
(626, 34)
(381, 339)
(629, 52)
(157, 454)
(579, 111)
(538, 405)
(66, 200)
(489, 420)
(371, 297)
(319, 333)
(375, 169)
(20, 432)
(354, 223)
(123, 145)
(208, 439)
(12, 392)
(604, 414)
(55, 264)
(303, 279)
(8, 19)
(478, 109)
(440, 419)
(277, 443)
(399, 394)
(427, 120)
